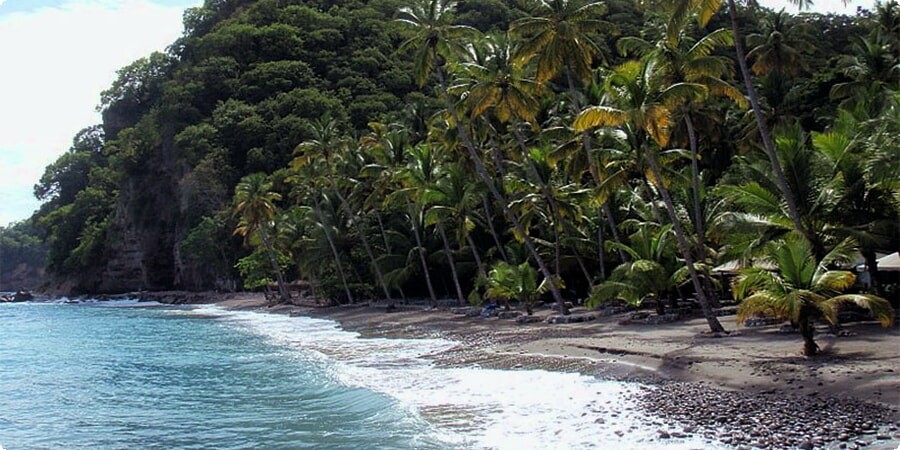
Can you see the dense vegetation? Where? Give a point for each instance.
(22, 257)
(433, 149)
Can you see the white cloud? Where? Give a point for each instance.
(54, 62)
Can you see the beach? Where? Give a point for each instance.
(750, 388)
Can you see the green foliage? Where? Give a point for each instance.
(515, 282)
(362, 173)
(256, 269)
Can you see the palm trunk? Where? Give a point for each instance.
(487, 180)
(273, 259)
(387, 246)
(695, 184)
(367, 248)
(545, 190)
(614, 228)
(708, 313)
(807, 330)
(478, 261)
(601, 252)
(584, 271)
(765, 135)
(334, 251)
(592, 167)
(461, 299)
(488, 217)
(414, 219)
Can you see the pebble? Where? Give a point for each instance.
(774, 420)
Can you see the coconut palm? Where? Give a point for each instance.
(643, 105)
(515, 282)
(685, 60)
(704, 10)
(434, 41)
(255, 204)
(803, 289)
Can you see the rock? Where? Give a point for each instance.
(508, 314)
(663, 434)
(571, 318)
(806, 445)
(464, 310)
(555, 307)
(640, 316)
(528, 319)
(22, 296)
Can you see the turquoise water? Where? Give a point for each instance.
(118, 376)
(102, 377)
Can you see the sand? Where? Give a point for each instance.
(750, 389)
(865, 365)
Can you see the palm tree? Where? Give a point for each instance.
(559, 36)
(803, 289)
(684, 61)
(704, 11)
(510, 282)
(434, 42)
(254, 202)
(644, 108)
(651, 272)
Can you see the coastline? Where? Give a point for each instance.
(752, 389)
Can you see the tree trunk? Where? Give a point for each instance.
(460, 298)
(273, 259)
(807, 330)
(478, 261)
(387, 246)
(614, 228)
(490, 223)
(414, 219)
(487, 180)
(367, 248)
(584, 271)
(765, 135)
(695, 185)
(592, 167)
(545, 190)
(708, 313)
(601, 251)
(334, 251)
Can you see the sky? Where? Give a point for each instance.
(56, 56)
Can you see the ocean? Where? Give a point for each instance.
(128, 375)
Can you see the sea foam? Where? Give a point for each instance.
(469, 407)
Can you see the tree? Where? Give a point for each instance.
(434, 41)
(254, 204)
(510, 282)
(803, 289)
(644, 108)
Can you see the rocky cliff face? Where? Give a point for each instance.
(142, 236)
(21, 277)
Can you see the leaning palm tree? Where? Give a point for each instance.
(682, 59)
(704, 10)
(255, 204)
(803, 289)
(434, 42)
(643, 105)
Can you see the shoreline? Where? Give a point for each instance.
(752, 389)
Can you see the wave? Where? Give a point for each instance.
(469, 407)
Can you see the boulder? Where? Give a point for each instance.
(555, 307)
(508, 314)
(528, 319)
(571, 318)
(22, 296)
